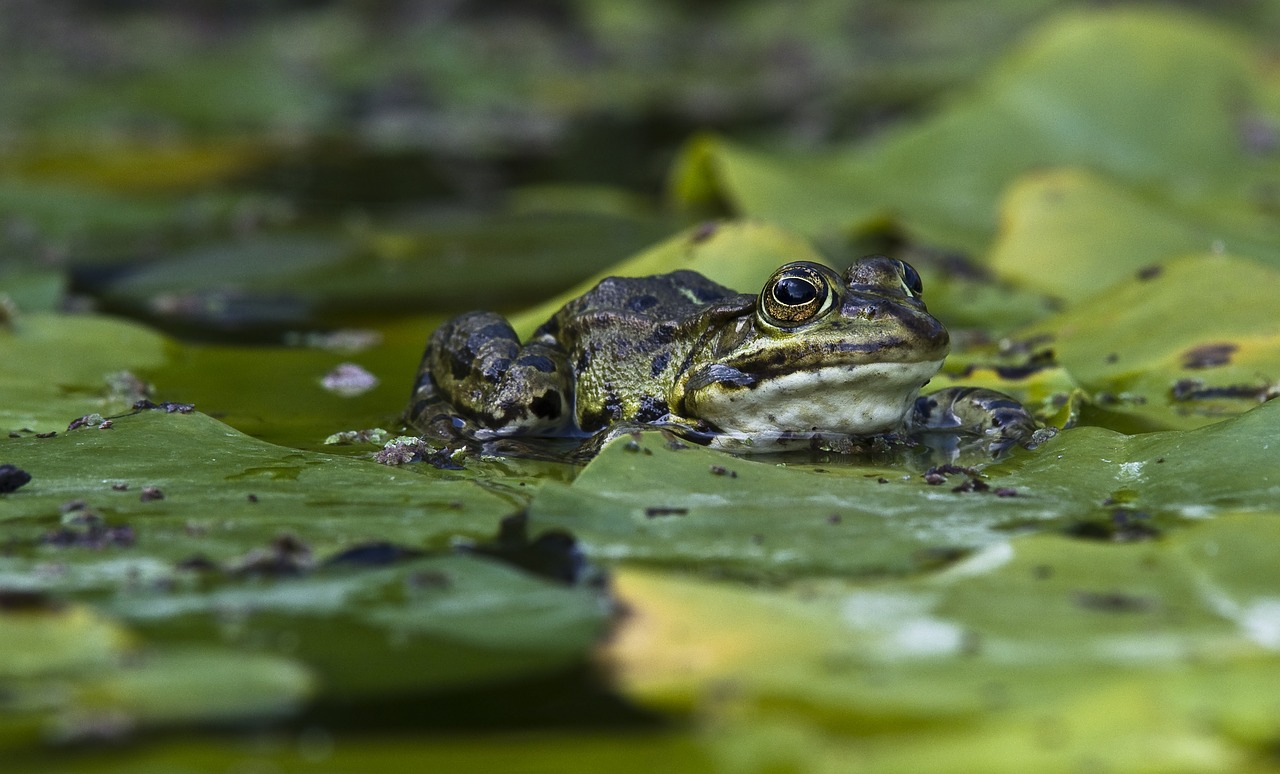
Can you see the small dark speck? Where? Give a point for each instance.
(934, 479)
(120, 487)
(1112, 357)
(1149, 272)
(1159, 460)
(1042, 572)
(1113, 602)
(428, 579)
(720, 470)
(657, 511)
(631, 446)
(835, 518)
(882, 480)
(15, 435)
(819, 470)
(704, 232)
(253, 498)
(457, 505)
(1006, 491)
(150, 493)
(1208, 355)
(107, 424)
(757, 539)
(49, 434)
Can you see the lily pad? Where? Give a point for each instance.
(1033, 654)
(58, 368)
(1071, 233)
(1080, 92)
(756, 519)
(1168, 348)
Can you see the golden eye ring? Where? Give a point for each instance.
(795, 294)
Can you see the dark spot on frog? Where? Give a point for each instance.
(612, 403)
(706, 295)
(253, 498)
(720, 470)
(1208, 355)
(546, 405)
(656, 511)
(1042, 572)
(652, 409)
(50, 434)
(664, 334)
(1113, 602)
(460, 364)
(835, 518)
(659, 364)
(538, 362)
(641, 303)
(120, 487)
(1150, 272)
(1006, 491)
(584, 358)
(13, 478)
(1111, 357)
(150, 493)
(494, 370)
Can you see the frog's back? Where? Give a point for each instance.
(661, 298)
(625, 339)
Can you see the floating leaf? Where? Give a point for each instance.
(1170, 349)
(753, 518)
(1080, 92)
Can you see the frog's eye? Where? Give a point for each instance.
(911, 279)
(796, 294)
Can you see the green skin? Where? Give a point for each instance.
(815, 353)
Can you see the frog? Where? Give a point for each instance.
(814, 354)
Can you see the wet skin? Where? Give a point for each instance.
(814, 354)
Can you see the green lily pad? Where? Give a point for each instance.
(293, 280)
(58, 367)
(1031, 655)
(754, 518)
(1170, 349)
(1080, 92)
(342, 568)
(1071, 233)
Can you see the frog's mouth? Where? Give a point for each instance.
(855, 399)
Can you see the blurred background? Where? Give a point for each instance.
(246, 167)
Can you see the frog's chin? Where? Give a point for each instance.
(853, 399)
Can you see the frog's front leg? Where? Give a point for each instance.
(475, 367)
(974, 410)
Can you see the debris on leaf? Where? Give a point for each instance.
(349, 437)
(12, 477)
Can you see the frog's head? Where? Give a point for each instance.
(822, 352)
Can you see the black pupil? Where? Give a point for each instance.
(794, 291)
